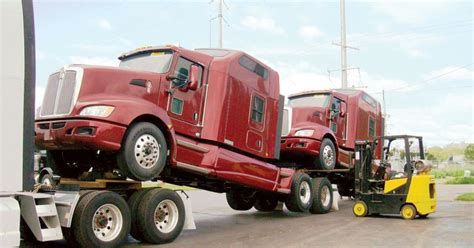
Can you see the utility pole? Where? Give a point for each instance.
(220, 23)
(343, 47)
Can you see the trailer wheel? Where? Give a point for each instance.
(301, 195)
(265, 202)
(143, 152)
(134, 203)
(327, 155)
(101, 219)
(240, 200)
(323, 197)
(360, 209)
(160, 216)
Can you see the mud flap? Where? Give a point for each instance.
(189, 220)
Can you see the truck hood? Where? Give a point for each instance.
(76, 86)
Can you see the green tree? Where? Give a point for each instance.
(469, 152)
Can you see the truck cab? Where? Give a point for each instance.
(320, 127)
(209, 118)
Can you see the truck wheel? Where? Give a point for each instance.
(301, 195)
(101, 219)
(265, 202)
(360, 209)
(143, 152)
(240, 200)
(323, 197)
(408, 212)
(133, 204)
(327, 155)
(160, 216)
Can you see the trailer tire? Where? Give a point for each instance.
(240, 200)
(327, 155)
(143, 152)
(265, 202)
(322, 196)
(133, 203)
(301, 195)
(101, 219)
(161, 216)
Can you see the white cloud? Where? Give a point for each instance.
(104, 24)
(310, 32)
(94, 60)
(415, 52)
(262, 24)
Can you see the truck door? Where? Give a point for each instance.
(338, 119)
(185, 105)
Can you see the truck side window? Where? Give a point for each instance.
(182, 72)
(258, 108)
(371, 127)
(335, 107)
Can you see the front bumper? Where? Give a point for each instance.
(302, 145)
(74, 134)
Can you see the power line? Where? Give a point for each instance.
(426, 81)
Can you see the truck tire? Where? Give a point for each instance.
(265, 202)
(101, 219)
(143, 152)
(240, 200)
(327, 155)
(133, 204)
(160, 216)
(322, 196)
(301, 195)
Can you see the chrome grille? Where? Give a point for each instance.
(49, 98)
(66, 95)
(60, 94)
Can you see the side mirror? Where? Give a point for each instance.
(193, 77)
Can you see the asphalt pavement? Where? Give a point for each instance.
(220, 226)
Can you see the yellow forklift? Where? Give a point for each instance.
(380, 190)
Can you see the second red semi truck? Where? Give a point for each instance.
(321, 127)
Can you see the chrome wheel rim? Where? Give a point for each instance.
(147, 151)
(325, 196)
(107, 222)
(305, 192)
(166, 216)
(328, 155)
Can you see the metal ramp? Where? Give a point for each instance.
(40, 214)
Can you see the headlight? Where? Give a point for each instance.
(304, 132)
(99, 111)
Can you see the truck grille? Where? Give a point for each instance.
(60, 94)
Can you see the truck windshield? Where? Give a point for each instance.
(316, 100)
(157, 61)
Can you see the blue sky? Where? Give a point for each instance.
(419, 52)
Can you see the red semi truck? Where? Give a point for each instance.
(207, 118)
(320, 129)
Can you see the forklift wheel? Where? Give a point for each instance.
(408, 212)
(360, 209)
